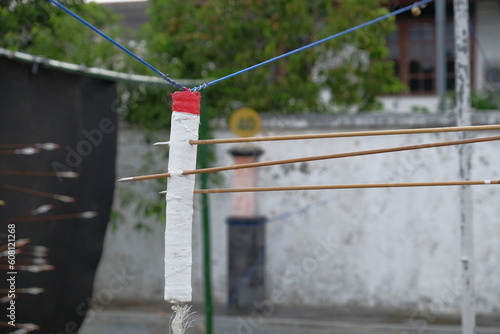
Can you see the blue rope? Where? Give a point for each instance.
(164, 76)
(399, 11)
(197, 88)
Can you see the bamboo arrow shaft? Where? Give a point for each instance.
(21, 151)
(341, 155)
(47, 146)
(30, 218)
(315, 158)
(348, 186)
(67, 174)
(58, 197)
(6, 324)
(345, 134)
(83, 215)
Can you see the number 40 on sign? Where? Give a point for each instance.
(245, 122)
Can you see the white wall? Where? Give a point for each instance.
(405, 104)
(385, 249)
(390, 248)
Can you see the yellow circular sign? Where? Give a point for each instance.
(245, 122)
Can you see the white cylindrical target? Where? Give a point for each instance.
(182, 156)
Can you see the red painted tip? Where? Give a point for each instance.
(186, 101)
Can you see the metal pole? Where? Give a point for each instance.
(441, 49)
(203, 160)
(463, 112)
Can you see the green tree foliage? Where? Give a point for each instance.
(211, 39)
(39, 28)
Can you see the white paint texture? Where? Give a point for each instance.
(178, 252)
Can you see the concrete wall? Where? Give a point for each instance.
(406, 104)
(382, 249)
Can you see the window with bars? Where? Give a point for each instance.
(413, 49)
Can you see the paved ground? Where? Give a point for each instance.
(152, 319)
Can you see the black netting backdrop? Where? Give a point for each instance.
(39, 105)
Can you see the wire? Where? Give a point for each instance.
(399, 11)
(200, 87)
(124, 49)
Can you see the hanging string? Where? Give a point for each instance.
(124, 49)
(399, 11)
(180, 322)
